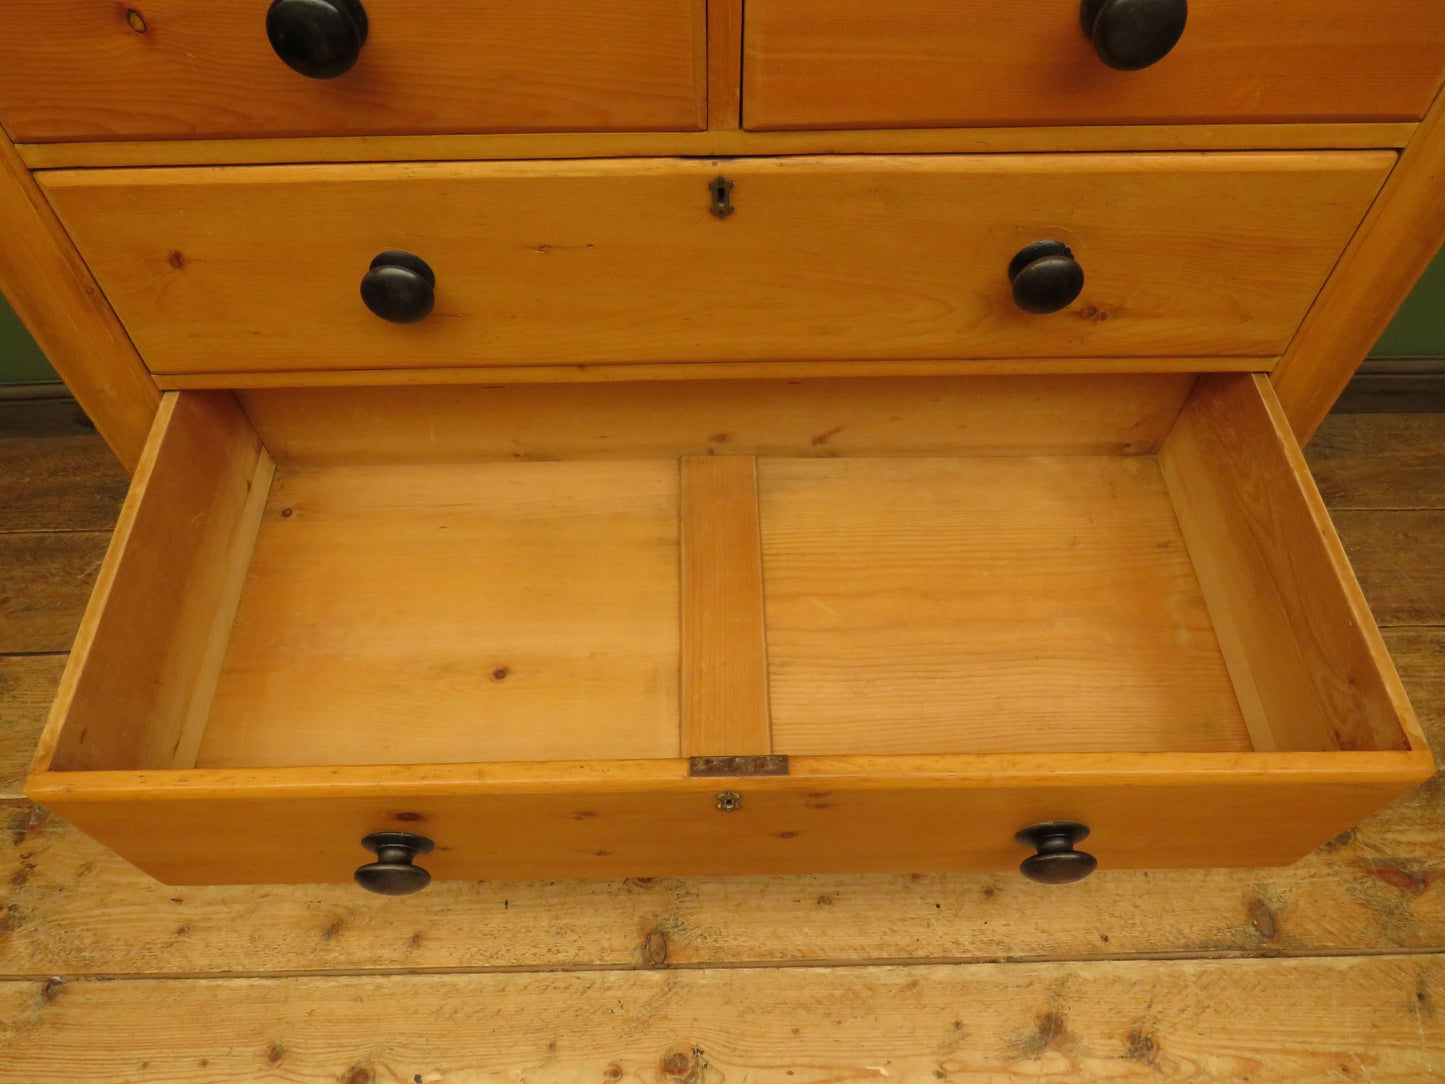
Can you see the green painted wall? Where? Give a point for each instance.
(1418, 331)
(21, 361)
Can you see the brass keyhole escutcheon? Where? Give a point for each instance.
(722, 196)
(729, 801)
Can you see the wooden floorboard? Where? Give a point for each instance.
(1368, 1019)
(1399, 556)
(45, 580)
(553, 981)
(55, 474)
(1380, 460)
(27, 685)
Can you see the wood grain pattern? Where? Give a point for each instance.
(724, 644)
(1304, 653)
(646, 818)
(985, 605)
(1087, 1021)
(47, 283)
(55, 473)
(724, 64)
(403, 614)
(139, 669)
(1380, 461)
(44, 581)
(981, 415)
(73, 484)
(1384, 260)
(716, 142)
(905, 258)
(83, 72)
(27, 686)
(1410, 543)
(222, 592)
(852, 63)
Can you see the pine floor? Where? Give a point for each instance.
(1331, 970)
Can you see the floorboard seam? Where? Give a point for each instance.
(746, 965)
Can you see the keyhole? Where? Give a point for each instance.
(721, 189)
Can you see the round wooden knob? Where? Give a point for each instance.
(1045, 277)
(1056, 863)
(1133, 34)
(399, 287)
(393, 874)
(321, 39)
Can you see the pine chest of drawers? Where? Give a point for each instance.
(572, 442)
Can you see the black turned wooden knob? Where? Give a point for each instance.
(321, 39)
(1057, 863)
(392, 874)
(1045, 277)
(400, 287)
(1132, 34)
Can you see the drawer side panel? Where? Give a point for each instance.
(1307, 661)
(138, 684)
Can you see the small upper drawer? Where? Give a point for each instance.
(174, 69)
(916, 63)
(258, 269)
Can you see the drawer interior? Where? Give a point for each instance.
(374, 576)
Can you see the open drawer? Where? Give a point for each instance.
(698, 628)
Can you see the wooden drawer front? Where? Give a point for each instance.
(862, 64)
(80, 70)
(257, 269)
(910, 618)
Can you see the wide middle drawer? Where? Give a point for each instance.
(257, 269)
